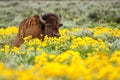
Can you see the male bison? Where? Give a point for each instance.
(47, 24)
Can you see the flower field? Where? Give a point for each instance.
(79, 54)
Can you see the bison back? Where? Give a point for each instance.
(30, 26)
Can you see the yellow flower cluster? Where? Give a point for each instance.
(8, 31)
(69, 65)
(61, 58)
(87, 41)
(97, 31)
(108, 31)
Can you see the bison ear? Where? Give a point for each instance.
(60, 25)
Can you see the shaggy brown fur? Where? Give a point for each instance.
(35, 27)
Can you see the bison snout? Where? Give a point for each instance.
(57, 35)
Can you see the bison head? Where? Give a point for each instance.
(51, 25)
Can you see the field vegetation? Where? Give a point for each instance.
(88, 48)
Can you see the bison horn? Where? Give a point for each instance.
(43, 21)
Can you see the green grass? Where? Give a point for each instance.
(88, 13)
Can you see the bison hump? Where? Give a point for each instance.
(34, 20)
(30, 26)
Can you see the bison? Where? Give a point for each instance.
(36, 25)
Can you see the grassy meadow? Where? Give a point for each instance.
(88, 48)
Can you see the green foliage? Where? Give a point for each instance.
(74, 13)
(84, 51)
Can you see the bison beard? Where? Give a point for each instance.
(36, 25)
